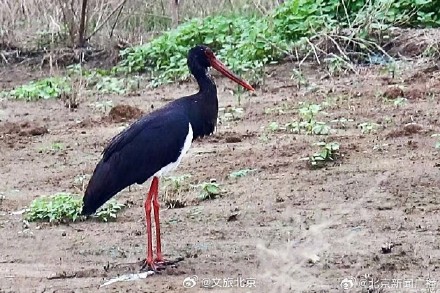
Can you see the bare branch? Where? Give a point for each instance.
(97, 29)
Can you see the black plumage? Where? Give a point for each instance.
(156, 140)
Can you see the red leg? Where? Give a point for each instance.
(159, 257)
(153, 189)
(159, 263)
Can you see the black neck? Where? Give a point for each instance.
(204, 105)
(206, 84)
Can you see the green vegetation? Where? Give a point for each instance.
(231, 114)
(328, 152)
(109, 211)
(209, 190)
(65, 207)
(368, 127)
(47, 88)
(352, 30)
(61, 207)
(342, 122)
(241, 173)
(55, 147)
(400, 101)
(244, 43)
(307, 121)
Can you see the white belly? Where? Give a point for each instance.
(185, 148)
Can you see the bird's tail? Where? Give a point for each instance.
(103, 185)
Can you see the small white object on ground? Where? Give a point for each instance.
(128, 277)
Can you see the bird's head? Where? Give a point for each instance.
(203, 57)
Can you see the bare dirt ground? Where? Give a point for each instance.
(297, 229)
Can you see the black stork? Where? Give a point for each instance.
(156, 143)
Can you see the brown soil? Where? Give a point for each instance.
(375, 212)
(122, 113)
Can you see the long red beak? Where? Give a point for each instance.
(215, 63)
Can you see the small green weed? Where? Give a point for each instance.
(300, 78)
(368, 127)
(209, 190)
(308, 122)
(110, 84)
(53, 148)
(328, 152)
(342, 122)
(102, 106)
(109, 211)
(400, 101)
(337, 65)
(231, 113)
(241, 173)
(274, 126)
(278, 110)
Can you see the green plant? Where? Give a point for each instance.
(47, 88)
(342, 122)
(273, 126)
(241, 173)
(328, 152)
(244, 43)
(308, 114)
(110, 84)
(231, 113)
(400, 101)
(66, 207)
(337, 65)
(109, 211)
(368, 127)
(60, 207)
(391, 68)
(307, 122)
(209, 190)
(102, 106)
(54, 147)
(301, 79)
(278, 110)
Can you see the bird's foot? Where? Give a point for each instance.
(159, 265)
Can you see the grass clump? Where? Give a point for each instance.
(66, 207)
